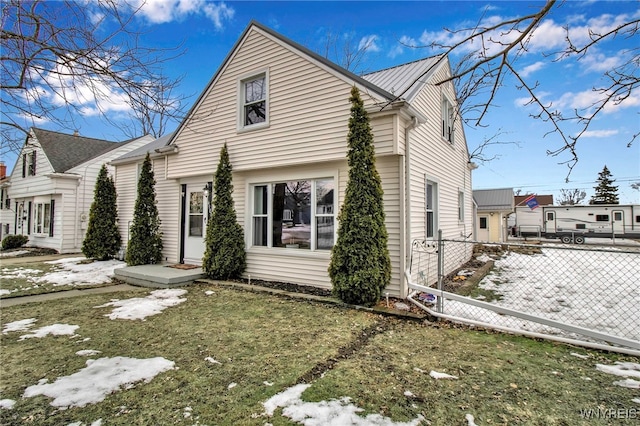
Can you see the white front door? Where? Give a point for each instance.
(483, 228)
(196, 213)
(617, 221)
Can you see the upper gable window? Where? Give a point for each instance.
(29, 164)
(448, 115)
(253, 102)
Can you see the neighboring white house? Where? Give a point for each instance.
(283, 111)
(51, 186)
(6, 214)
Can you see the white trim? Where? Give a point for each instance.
(313, 177)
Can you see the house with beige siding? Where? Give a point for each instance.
(51, 187)
(493, 207)
(283, 112)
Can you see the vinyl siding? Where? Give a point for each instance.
(303, 266)
(435, 159)
(167, 199)
(308, 110)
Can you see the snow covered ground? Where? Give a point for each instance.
(590, 289)
(71, 271)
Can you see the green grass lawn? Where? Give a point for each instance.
(265, 344)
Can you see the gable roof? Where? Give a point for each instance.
(141, 152)
(406, 80)
(383, 83)
(66, 151)
(494, 199)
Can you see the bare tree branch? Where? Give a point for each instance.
(497, 46)
(64, 60)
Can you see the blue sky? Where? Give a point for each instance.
(208, 30)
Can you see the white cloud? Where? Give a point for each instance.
(530, 69)
(599, 133)
(405, 41)
(368, 43)
(163, 11)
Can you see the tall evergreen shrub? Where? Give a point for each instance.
(145, 243)
(102, 240)
(224, 256)
(360, 267)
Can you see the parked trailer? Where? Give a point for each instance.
(575, 223)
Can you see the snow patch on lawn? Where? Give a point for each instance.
(436, 375)
(76, 271)
(142, 307)
(7, 404)
(88, 352)
(623, 369)
(54, 330)
(20, 325)
(333, 412)
(98, 379)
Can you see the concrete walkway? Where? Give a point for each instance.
(22, 300)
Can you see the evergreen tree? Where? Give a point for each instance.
(145, 244)
(606, 192)
(102, 240)
(224, 256)
(360, 267)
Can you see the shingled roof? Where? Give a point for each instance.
(66, 151)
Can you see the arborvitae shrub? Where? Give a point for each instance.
(360, 267)
(145, 242)
(102, 240)
(224, 257)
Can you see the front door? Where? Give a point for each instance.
(483, 228)
(195, 223)
(617, 222)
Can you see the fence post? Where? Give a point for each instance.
(439, 301)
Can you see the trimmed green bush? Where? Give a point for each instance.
(224, 257)
(360, 267)
(102, 240)
(145, 244)
(14, 241)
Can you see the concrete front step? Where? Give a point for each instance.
(158, 276)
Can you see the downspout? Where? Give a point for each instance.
(407, 197)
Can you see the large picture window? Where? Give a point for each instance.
(296, 214)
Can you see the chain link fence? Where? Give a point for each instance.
(553, 289)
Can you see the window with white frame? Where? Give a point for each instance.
(42, 217)
(297, 214)
(253, 96)
(461, 206)
(431, 212)
(448, 115)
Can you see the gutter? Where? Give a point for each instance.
(156, 153)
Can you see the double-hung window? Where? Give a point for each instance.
(253, 102)
(448, 115)
(431, 212)
(295, 214)
(460, 206)
(42, 217)
(29, 164)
